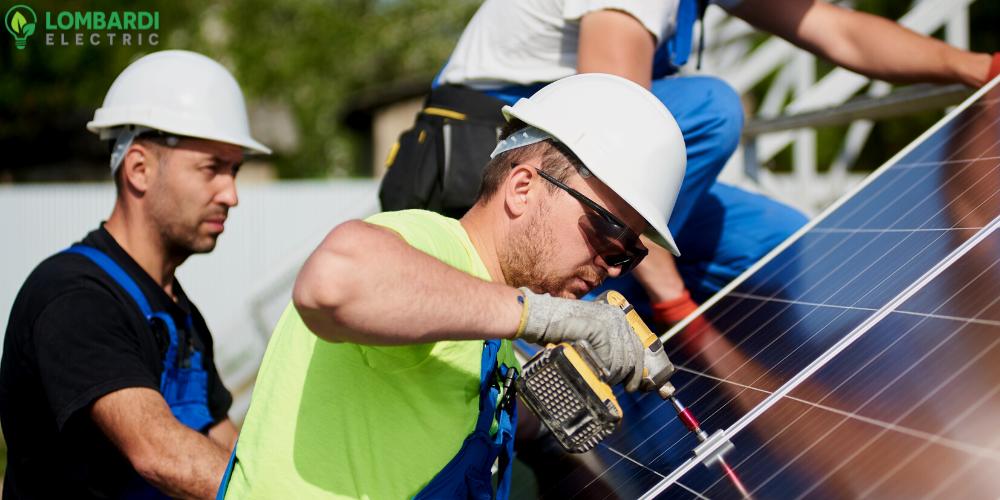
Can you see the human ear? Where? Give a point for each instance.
(518, 193)
(137, 167)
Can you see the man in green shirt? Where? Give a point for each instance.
(384, 378)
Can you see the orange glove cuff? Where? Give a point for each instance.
(670, 312)
(994, 67)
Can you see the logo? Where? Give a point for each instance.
(20, 22)
(84, 27)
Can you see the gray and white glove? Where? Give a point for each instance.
(550, 320)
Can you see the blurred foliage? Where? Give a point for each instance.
(48, 93)
(312, 58)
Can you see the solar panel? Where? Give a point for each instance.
(860, 358)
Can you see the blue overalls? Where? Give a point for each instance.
(184, 381)
(469, 473)
(720, 230)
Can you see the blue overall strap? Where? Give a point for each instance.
(489, 391)
(117, 273)
(183, 387)
(129, 285)
(676, 51)
(511, 93)
(506, 425)
(468, 474)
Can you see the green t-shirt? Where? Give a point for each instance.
(349, 420)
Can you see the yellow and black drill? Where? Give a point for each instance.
(565, 386)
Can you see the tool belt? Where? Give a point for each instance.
(438, 164)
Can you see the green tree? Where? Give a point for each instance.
(316, 56)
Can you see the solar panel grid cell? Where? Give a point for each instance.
(910, 405)
(801, 303)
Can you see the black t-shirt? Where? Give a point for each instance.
(73, 336)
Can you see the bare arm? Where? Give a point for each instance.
(365, 284)
(868, 44)
(172, 457)
(614, 42)
(224, 434)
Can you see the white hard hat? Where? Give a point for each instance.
(178, 92)
(622, 133)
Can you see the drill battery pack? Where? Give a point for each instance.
(563, 387)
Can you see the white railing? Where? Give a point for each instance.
(796, 89)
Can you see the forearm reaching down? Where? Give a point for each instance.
(174, 458)
(865, 43)
(365, 284)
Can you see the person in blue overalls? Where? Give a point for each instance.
(108, 388)
(511, 48)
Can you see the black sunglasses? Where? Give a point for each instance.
(618, 245)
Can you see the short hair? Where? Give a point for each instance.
(557, 160)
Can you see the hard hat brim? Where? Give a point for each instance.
(247, 143)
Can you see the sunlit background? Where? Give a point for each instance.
(330, 84)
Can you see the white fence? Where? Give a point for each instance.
(730, 54)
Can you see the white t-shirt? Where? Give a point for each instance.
(520, 42)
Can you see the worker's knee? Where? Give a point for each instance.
(724, 116)
(730, 230)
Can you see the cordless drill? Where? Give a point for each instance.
(565, 384)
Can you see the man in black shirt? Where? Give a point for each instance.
(108, 387)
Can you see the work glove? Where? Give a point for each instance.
(551, 320)
(994, 67)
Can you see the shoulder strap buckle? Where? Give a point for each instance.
(507, 400)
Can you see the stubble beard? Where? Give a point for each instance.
(184, 239)
(180, 238)
(523, 264)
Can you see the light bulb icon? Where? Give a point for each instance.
(20, 22)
